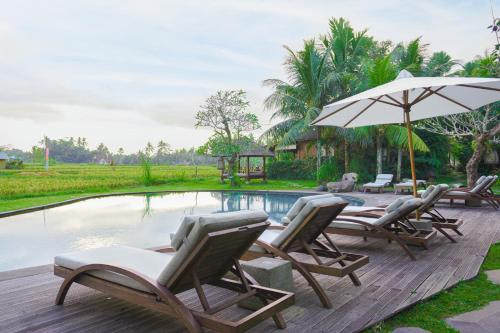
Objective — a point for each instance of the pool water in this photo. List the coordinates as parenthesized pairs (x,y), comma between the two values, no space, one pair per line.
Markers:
(34,238)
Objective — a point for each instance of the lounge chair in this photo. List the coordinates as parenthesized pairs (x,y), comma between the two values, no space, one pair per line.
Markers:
(407,185)
(298,243)
(210,248)
(345,185)
(427,212)
(392,225)
(382,180)
(481,191)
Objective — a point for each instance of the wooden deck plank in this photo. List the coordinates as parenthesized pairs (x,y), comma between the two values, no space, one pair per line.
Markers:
(391,282)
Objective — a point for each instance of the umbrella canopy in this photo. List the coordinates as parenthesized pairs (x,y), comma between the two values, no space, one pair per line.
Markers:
(420,97)
(427,96)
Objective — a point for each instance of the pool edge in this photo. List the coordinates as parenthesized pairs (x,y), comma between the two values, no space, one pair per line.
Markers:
(104,195)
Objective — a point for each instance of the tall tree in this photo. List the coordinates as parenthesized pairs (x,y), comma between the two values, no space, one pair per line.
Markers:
(481,126)
(226,114)
(162,150)
(297,102)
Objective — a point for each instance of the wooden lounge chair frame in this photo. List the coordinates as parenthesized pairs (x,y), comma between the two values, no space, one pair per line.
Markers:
(305,241)
(195,271)
(402,231)
(439,222)
(484,194)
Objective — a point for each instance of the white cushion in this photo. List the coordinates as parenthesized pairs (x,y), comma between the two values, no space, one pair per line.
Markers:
(299,204)
(427,191)
(458,193)
(267,236)
(374,184)
(206,224)
(347,225)
(324,201)
(409,182)
(359,209)
(183,231)
(352,225)
(384,177)
(149,263)
(396,204)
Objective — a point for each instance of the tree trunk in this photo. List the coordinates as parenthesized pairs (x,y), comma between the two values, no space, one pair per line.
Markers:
(473,163)
(232,169)
(318,158)
(346,156)
(400,162)
(379,154)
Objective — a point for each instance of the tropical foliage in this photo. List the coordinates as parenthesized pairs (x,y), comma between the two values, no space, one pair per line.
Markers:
(344,62)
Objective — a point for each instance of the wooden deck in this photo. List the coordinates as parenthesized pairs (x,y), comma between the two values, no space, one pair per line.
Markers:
(390,283)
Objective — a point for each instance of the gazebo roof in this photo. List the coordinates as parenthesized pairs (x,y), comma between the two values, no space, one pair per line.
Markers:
(257,152)
(253,152)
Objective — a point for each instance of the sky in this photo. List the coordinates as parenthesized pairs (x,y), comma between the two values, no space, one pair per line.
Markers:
(128,72)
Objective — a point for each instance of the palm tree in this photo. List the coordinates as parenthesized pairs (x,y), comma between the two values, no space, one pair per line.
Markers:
(384,70)
(297,102)
(346,50)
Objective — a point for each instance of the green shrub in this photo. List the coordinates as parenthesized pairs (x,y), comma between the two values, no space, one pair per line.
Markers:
(294,169)
(329,170)
(360,167)
(146,166)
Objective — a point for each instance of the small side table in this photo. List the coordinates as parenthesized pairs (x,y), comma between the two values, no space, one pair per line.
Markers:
(268,272)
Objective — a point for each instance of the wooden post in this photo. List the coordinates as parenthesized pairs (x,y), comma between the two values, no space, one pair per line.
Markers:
(410,143)
(248,168)
(264,167)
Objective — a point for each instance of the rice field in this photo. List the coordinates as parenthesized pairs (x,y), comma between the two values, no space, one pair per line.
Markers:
(33,180)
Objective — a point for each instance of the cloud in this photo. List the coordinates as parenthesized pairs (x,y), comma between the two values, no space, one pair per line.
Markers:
(103,69)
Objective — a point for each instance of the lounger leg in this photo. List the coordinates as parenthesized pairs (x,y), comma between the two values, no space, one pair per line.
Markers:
(63,291)
(458,232)
(278,319)
(445,234)
(323,297)
(183,313)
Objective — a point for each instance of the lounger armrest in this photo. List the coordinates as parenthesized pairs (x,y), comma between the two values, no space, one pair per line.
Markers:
(460,189)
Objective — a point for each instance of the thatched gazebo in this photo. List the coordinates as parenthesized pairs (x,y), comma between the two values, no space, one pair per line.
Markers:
(245,171)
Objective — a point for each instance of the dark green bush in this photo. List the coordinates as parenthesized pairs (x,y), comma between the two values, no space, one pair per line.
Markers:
(292,169)
(14,164)
(361,167)
(330,170)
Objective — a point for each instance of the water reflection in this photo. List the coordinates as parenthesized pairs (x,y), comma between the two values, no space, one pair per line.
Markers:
(139,220)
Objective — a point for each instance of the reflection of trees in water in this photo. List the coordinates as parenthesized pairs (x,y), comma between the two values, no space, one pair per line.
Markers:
(146,211)
(275,205)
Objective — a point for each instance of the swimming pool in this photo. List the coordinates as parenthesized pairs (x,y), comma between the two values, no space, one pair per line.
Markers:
(34,238)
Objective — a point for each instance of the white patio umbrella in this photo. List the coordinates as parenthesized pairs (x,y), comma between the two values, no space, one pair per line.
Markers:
(420,97)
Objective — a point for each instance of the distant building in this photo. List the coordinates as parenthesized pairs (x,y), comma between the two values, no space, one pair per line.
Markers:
(3,159)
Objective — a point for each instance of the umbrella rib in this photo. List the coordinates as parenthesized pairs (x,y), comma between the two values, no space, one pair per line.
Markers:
(453,101)
(394,100)
(429,91)
(478,87)
(334,112)
(381,101)
(366,108)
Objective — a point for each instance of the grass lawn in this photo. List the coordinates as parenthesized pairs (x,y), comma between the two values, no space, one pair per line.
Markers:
(33,186)
(464,297)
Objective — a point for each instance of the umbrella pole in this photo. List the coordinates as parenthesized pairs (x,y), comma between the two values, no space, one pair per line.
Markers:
(410,148)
